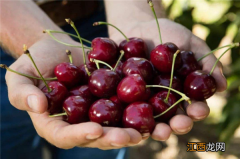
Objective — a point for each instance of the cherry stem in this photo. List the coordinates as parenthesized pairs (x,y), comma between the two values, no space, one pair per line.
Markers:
(56,115)
(172,71)
(54,38)
(102,62)
(62,32)
(154,13)
(215,64)
(119,59)
(26,51)
(69,21)
(25,75)
(69,56)
(176,103)
(211,52)
(105,23)
(164,87)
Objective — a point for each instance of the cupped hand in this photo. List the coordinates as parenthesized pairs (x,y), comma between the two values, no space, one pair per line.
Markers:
(26,94)
(172,32)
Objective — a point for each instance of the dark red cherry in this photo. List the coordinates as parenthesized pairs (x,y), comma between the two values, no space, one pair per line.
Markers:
(141,66)
(103,83)
(76,108)
(139,116)
(119,68)
(164,80)
(91,67)
(162,57)
(159,105)
(147,94)
(104,49)
(84,92)
(136,47)
(68,74)
(56,97)
(117,101)
(105,112)
(131,89)
(189,64)
(199,85)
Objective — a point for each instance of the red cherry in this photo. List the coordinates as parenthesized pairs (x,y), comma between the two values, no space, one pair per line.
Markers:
(162,57)
(199,85)
(189,64)
(139,66)
(56,97)
(159,105)
(117,101)
(68,74)
(131,89)
(103,49)
(103,83)
(91,67)
(84,92)
(164,80)
(119,68)
(105,112)
(147,95)
(135,47)
(76,108)
(139,116)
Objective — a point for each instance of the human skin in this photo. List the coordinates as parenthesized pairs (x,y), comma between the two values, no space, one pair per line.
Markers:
(26,27)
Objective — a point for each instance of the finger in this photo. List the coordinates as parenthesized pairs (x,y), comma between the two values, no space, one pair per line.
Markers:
(135,136)
(200,48)
(63,135)
(181,124)
(161,132)
(198,110)
(24,95)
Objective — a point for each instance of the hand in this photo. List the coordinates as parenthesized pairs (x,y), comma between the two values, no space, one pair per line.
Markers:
(185,40)
(47,54)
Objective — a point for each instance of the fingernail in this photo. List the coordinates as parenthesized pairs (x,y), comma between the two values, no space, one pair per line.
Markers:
(201,117)
(92,137)
(145,135)
(116,145)
(184,130)
(33,103)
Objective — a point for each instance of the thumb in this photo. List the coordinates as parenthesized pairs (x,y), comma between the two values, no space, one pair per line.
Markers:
(24,95)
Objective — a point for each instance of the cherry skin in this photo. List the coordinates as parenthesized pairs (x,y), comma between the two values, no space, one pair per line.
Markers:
(131,89)
(84,92)
(91,67)
(105,112)
(117,101)
(103,83)
(68,74)
(135,47)
(199,85)
(147,94)
(159,105)
(164,80)
(104,49)
(139,116)
(162,57)
(141,66)
(119,68)
(189,64)
(76,108)
(56,97)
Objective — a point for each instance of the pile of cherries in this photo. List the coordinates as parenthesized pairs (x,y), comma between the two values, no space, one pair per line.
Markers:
(121,87)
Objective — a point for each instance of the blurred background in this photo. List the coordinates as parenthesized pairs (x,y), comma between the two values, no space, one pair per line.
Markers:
(218,23)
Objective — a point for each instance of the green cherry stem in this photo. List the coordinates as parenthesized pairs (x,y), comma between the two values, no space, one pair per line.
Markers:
(69,56)
(105,23)
(54,38)
(211,52)
(62,32)
(55,115)
(176,103)
(25,75)
(154,13)
(172,71)
(69,21)
(119,59)
(181,94)
(99,61)
(26,51)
